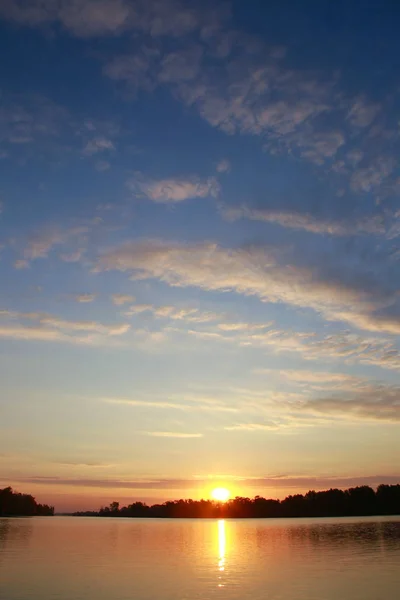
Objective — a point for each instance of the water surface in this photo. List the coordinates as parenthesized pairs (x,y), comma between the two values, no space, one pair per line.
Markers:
(71,558)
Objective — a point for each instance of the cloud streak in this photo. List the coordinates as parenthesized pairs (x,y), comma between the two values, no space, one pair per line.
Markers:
(313,379)
(308,222)
(96,145)
(284,481)
(372,402)
(343,346)
(165,191)
(85,298)
(172,434)
(174,313)
(121,299)
(92,18)
(255,271)
(40,244)
(167,404)
(52,328)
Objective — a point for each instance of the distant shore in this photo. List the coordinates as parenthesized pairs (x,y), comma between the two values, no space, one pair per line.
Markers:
(353,502)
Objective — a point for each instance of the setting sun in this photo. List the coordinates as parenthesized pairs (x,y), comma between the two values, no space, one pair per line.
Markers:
(220,494)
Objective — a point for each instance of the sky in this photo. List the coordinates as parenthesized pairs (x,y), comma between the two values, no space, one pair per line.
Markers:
(199,247)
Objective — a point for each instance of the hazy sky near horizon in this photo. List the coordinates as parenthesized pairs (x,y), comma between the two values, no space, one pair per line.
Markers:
(199,247)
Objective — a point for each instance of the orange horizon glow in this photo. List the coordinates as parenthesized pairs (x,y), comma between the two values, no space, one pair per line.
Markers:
(70,498)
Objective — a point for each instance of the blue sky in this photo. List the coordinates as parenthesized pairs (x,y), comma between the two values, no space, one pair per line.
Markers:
(199,247)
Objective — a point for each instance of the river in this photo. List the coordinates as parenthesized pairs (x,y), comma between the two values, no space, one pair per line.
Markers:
(79,558)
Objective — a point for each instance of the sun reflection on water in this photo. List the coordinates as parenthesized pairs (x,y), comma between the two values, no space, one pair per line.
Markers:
(221,551)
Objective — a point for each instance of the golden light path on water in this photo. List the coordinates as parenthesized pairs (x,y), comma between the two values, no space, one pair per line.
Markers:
(221,550)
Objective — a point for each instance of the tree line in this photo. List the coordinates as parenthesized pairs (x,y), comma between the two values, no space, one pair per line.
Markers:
(356,501)
(14,504)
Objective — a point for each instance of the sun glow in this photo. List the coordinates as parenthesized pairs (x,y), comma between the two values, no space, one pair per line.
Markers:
(220,494)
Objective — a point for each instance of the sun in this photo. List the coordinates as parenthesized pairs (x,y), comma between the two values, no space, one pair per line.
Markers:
(221,494)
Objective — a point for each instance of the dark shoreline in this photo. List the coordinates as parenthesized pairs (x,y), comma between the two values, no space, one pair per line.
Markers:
(360,501)
(14,504)
(82,515)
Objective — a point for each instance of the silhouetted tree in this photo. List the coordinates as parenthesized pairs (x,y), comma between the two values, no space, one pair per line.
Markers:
(361,500)
(13,504)
(388,499)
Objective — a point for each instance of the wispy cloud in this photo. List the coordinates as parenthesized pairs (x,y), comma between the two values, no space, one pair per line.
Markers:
(94,326)
(73,257)
(41,243)
(21,264)
(300,482)
(166,191)
(121,299)
(319,147)
(366,401)
(83,18)
(83,463)
(182,65)
(362,113)
(38,334)
(371,177)
(256,271)
(172,434)
(224,166)
(232,327)
(96,145)
(167,404)
(372,402)
(342,346)
(30,118)
(85,298)
(51,328)
(254,427)
(102,165)
(253,89)
(191,315)
(304,376)
(86,18)
(373,225)
(137,309)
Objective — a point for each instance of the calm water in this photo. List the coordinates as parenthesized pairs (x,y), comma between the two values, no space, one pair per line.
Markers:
(66,558)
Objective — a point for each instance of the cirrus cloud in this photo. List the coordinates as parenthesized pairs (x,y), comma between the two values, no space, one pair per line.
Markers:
(121,299)
(371,225)
(165,191)
(52,328)
(172,434)
(256,271)
(85,298)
